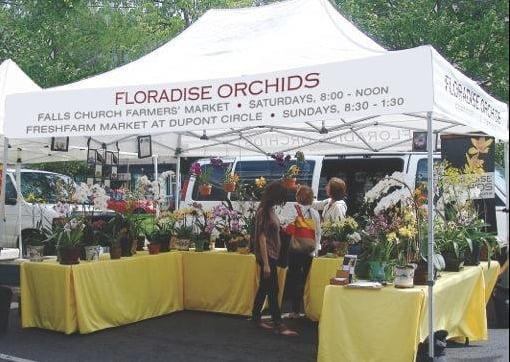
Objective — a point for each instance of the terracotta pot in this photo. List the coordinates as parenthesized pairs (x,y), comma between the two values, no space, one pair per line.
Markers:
(289,183)
(229,187)
(154,248)
(115,252)
(70,256)
(205,190)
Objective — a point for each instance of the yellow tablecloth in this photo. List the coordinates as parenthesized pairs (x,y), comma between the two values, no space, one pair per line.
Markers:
(47,297)
(388,324)
(117,292)
(321,271)
(491,274)
(96,295)
(221,282)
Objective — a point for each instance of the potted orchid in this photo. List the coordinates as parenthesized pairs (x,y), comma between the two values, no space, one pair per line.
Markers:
(182,233)
(290,171)
(338,235)
(228,224)
(203,226)
(203,177)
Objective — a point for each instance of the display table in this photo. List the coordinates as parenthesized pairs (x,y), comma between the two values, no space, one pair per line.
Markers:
(92,296)
(321,271)
(222,282)
(388,324)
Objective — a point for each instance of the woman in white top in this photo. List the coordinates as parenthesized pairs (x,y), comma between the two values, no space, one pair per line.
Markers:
(334,208)
(300,263)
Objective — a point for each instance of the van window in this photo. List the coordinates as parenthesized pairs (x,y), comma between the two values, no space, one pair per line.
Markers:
(360,175)
(42,185)
(217,194)
(10,191)
(249,171)
(422,176)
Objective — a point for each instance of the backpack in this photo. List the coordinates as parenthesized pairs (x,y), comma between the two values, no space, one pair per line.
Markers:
(302,233)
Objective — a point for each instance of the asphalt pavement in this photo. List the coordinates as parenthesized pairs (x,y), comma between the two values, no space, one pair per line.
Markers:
(196,336)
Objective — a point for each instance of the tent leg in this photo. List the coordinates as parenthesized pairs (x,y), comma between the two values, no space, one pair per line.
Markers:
(3,221)
(507,202)
(18,206)
(177,182)
(430,188)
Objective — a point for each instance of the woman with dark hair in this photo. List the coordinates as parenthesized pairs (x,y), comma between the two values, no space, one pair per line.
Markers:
(334,208)
(267,249)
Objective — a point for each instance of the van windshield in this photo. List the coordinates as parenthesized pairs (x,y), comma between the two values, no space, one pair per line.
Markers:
(41,186)
(360,175)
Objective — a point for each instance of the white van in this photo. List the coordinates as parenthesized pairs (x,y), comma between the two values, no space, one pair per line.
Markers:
(360,171)
(39,183)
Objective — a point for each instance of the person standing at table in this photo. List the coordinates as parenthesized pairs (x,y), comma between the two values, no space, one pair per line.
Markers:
(334,208)
(267,249)
(299,261)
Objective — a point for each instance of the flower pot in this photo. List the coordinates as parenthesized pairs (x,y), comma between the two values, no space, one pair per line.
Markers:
(181,244)
(474,257)
(92,253)
(232,245)
(484,253)
(229,187)
(164,244)
(377,270)
(205,190)
(154,248)
(362,270)
(404,276)
(289,183)
(199,245)
(115,252)
(421,273)
(453,263)
(126,246)
(69,256)
(35,252)
(340,248)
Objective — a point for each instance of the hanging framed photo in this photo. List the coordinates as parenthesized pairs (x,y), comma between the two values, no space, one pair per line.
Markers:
(114,174)
(90,181)
(419,141)
(91,156)
(101,155)
(60,144)
(144,146)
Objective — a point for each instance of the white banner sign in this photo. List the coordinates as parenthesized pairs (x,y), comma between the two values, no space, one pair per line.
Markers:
(394,83)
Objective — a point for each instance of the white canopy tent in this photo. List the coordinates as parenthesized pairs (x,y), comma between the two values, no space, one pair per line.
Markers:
(295,72)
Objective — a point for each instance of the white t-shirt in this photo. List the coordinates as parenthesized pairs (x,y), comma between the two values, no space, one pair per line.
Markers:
(307,212)
(331,210)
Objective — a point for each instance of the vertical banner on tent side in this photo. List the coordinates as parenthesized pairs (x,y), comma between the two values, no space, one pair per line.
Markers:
(393,83)
(460,99)
(470,152)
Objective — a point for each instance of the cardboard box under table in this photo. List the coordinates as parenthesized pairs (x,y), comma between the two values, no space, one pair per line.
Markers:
(91,296)
(388,324)
(222,282)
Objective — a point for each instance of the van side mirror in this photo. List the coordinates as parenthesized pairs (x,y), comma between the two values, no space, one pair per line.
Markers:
(11,201)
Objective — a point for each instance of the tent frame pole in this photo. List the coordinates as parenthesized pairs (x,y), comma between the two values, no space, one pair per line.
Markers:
(18,205)
(430,264)
(3,218)
(507,201)
(178,173)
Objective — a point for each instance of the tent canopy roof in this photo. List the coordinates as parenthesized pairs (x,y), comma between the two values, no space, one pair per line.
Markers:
(287,36)
(238,42)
